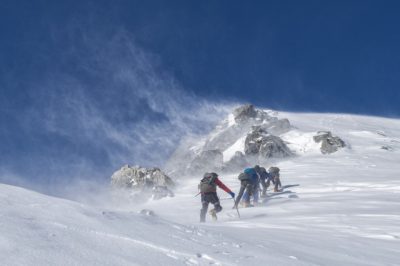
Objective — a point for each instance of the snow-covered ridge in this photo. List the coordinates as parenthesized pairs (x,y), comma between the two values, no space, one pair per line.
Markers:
(246,137)
(338,209)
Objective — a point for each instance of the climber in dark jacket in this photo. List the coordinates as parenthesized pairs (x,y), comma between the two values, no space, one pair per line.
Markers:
(275,178)
(265,179)
(208,190)
(248,179)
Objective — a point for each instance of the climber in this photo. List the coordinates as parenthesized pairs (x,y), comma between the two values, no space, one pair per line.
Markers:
(275,178)
(264,176)
(248,179)
(256,184)
(208,190)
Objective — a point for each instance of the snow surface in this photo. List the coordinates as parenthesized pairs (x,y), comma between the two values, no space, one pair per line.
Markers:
(237,146)
(342,209)
(301,142)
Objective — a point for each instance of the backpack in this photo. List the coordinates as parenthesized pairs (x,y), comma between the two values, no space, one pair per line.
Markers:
(249,174)
(263,173)
(273,170)
(244,176)
(207,183)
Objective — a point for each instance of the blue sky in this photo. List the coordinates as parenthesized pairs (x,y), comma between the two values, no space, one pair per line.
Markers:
(88,85)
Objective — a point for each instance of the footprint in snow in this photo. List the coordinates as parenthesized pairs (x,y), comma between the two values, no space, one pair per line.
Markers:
(147,212)
(208,258)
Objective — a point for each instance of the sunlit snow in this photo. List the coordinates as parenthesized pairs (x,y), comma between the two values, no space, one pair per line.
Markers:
(338,209)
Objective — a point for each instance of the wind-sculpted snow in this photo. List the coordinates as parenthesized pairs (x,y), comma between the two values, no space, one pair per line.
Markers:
(337,209)
(210,159)
(237,162)
(41,230)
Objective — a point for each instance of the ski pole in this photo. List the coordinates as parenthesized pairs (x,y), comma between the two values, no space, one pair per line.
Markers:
(197,194)
(236,207)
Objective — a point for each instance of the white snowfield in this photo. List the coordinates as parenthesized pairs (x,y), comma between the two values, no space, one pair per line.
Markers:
(342,209)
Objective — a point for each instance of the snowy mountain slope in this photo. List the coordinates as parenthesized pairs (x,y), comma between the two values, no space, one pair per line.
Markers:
(249,136)
(343,209)
(42,230)
(227,138)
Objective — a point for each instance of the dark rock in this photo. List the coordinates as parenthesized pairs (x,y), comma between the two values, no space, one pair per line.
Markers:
(141,180)
(227,133)
(379,132)
(264,145)
(201,154)
(386,147)
(329,143)
(243,113)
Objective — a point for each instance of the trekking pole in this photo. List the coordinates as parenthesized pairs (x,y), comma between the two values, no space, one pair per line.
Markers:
(236,207)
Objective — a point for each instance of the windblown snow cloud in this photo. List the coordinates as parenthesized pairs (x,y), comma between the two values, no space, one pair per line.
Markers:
(105,102)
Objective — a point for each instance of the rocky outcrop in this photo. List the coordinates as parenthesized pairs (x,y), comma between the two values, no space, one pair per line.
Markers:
(151,182)
(244,113)
(210,160)
(203,154)
(264,145)
(245,118)
(329,143)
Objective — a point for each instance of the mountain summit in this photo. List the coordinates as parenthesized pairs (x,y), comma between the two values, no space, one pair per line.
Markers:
(246,137)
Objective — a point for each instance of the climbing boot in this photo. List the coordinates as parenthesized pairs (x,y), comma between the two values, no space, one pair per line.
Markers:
(264,193)
(247,205)
(213,214)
